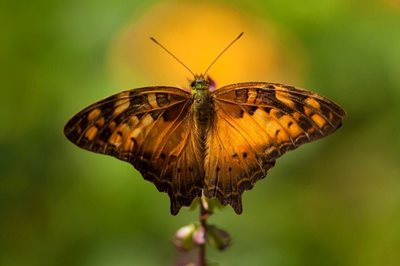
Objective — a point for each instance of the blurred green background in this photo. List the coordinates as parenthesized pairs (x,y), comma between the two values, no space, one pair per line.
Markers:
(332,202)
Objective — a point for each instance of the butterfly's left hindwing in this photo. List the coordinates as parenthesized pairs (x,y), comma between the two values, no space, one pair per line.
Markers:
(255,123)
(151,129)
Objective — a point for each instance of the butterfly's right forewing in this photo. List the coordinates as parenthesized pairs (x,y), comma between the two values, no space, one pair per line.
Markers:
(255,123)
(151,129)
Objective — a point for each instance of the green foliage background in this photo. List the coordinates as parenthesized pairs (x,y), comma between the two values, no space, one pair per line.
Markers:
(334,202)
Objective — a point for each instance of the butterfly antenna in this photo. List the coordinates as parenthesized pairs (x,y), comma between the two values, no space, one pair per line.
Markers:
(176,58)
(223,51)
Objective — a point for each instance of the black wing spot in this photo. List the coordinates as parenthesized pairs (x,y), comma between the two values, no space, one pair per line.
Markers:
(136,99)
(155,114)
(172,113)
(162,99)
(251,109)
(277,132)
(241,95)
(267,109)
(279,114)
(134,141)
(304,123)
(105,134)
(271,87)
(244,154)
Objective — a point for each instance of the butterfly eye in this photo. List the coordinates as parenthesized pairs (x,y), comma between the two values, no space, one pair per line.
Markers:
(193,84)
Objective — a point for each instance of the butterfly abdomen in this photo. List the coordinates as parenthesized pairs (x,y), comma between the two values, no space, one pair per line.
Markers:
(204,115)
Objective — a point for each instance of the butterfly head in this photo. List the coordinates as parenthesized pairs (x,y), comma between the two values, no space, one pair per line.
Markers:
(200,83)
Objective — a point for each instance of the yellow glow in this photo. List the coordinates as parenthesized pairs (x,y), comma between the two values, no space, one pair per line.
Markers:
(196,33)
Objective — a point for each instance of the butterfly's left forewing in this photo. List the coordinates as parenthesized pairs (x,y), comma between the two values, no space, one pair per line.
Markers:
(255,123)
(151,129)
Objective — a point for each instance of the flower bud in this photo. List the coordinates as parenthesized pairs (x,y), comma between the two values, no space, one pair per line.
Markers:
(199,236)
(183,237)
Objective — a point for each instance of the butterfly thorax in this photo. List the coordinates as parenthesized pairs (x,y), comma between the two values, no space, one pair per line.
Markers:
(203,103)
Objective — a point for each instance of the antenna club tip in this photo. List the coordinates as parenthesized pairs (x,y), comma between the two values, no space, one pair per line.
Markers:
(153,39)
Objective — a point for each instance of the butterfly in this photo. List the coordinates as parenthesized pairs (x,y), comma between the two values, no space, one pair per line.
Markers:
(218,143)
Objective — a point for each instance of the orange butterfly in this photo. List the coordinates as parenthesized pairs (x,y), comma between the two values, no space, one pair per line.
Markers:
(214,142)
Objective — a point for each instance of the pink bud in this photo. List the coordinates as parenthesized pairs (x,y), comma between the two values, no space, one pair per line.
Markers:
(184,231)
(183,238)
(199,236)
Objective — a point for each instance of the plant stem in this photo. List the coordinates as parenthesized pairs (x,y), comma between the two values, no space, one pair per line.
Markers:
(203,222)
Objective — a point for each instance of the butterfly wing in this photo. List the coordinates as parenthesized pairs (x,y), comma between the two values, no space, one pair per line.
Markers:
(151,129)
(255,124)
